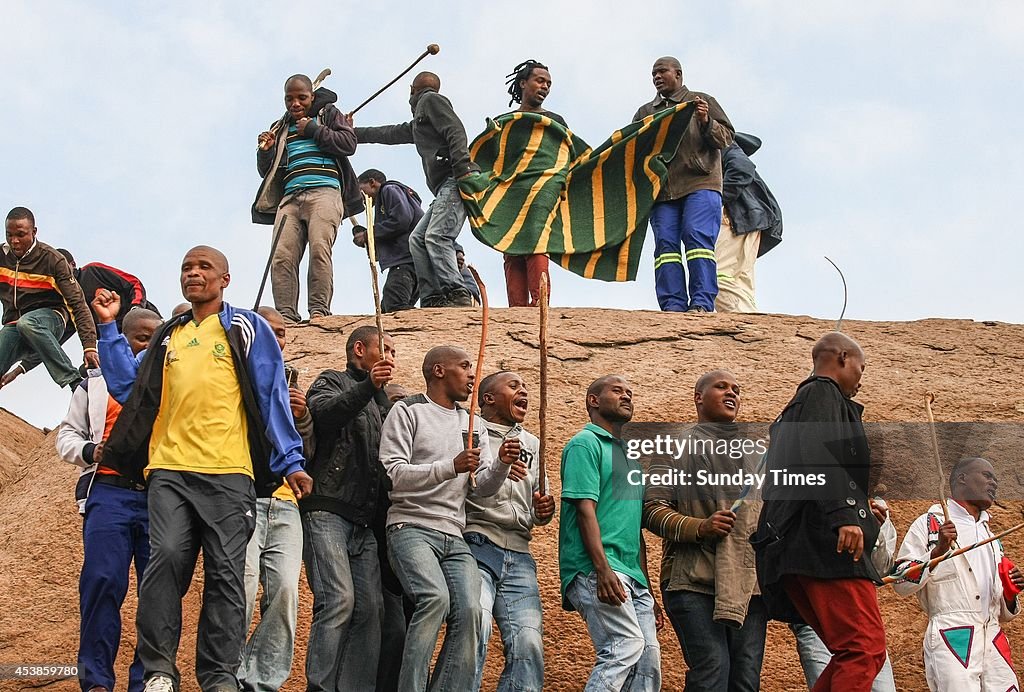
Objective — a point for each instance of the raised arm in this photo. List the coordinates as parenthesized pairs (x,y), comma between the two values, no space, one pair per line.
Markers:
(266,369)
(385,134)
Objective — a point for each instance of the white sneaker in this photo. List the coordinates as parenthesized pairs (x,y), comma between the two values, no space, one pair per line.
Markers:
(159,683)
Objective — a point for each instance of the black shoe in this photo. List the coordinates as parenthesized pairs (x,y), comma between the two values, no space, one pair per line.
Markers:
(460,298)
(433,302)
(698,309)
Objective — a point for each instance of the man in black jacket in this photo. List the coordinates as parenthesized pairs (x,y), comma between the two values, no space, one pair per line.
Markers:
(441,142)
(349,489)
(303,159)
(397,209)
(816,531)
(751,225)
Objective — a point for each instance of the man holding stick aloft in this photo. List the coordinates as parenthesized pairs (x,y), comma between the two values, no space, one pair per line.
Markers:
(966,597)
(499,529)
(338,518)
(424,449)
(441,142)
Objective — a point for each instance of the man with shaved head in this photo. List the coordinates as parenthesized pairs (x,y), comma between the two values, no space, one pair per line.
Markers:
(115,532)
(429,461)
(817,531)
(602,557)
(708,582)
(207,425)
(966,598)
(441,142)
(688,212)
(499,529)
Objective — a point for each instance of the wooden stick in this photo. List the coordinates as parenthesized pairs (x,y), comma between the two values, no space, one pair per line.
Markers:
(273,249)
(371,252)
(542,409)
(479,360)
(928,400)
(432,49)
(914,570)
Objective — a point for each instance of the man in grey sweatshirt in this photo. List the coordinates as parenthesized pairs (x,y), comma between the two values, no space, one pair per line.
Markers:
(441,142)
(499,529)
(423,448)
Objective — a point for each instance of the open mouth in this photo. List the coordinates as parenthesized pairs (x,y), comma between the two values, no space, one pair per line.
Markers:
(521,404)
(729,404)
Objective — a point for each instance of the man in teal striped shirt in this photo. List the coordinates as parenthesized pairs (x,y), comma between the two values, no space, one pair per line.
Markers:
(312,156)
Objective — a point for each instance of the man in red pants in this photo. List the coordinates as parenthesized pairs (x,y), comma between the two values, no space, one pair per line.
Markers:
(816,530)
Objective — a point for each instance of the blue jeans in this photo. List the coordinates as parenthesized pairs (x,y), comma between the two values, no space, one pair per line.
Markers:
(39,332)
(718,657)
(432,243)
(273,558)
(814,657)
(440,576)
(115,532)
(344,576)
(692,222)
(625,637)
(513,598)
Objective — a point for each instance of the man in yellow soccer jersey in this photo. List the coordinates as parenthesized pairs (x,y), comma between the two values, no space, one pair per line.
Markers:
(207,425)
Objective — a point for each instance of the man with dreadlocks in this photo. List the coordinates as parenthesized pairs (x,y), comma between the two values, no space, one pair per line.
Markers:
(528,85)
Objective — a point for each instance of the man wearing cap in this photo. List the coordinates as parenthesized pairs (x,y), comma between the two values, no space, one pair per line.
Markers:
(688,211)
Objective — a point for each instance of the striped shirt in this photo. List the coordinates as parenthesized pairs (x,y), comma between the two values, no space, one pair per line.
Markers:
(307,165)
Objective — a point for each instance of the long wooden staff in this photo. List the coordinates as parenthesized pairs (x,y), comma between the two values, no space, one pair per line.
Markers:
(479,360)
(371,252)
(542,410)
(432,49)
(273,248)
(912,570)
(928,399)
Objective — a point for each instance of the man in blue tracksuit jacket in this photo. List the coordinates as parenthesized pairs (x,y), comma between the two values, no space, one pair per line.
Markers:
(207,425)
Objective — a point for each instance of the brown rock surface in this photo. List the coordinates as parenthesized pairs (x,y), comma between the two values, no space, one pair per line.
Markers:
(972,367)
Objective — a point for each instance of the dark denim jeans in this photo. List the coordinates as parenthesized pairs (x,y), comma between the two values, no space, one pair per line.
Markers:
(718,657)
(344,576)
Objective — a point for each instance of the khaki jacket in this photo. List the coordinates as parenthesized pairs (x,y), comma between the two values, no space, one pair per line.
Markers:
(723,568)
(697,164)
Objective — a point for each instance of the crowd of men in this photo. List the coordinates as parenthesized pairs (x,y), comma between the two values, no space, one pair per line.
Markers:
(193,436)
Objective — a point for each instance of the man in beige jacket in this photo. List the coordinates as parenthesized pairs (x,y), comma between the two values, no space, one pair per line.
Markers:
(708,581)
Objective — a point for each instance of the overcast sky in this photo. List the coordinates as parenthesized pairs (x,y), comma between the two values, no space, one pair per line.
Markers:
(892,133)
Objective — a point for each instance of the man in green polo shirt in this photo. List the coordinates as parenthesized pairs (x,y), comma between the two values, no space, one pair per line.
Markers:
(602,558)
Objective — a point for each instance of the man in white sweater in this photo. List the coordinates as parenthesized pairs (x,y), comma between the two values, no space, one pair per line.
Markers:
(499,529)
(425,451)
